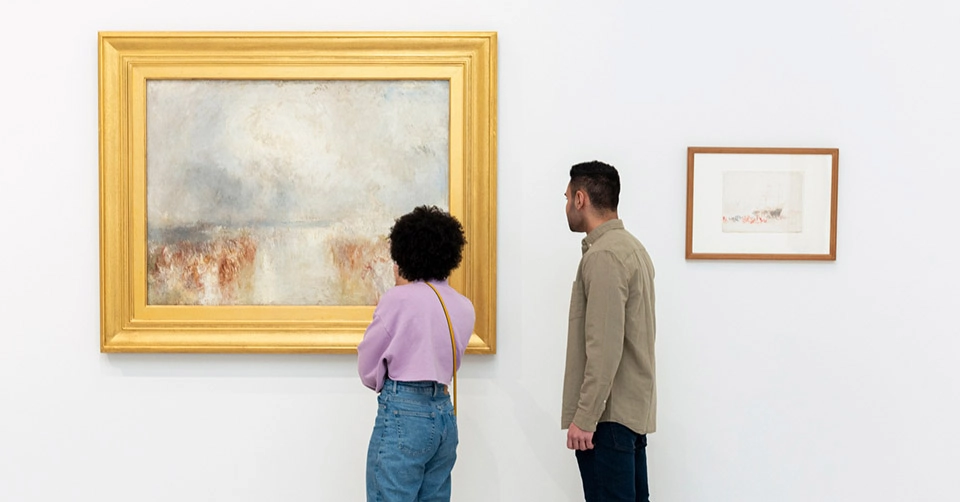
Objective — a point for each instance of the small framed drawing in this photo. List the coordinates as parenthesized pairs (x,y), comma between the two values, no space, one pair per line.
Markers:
(762,203)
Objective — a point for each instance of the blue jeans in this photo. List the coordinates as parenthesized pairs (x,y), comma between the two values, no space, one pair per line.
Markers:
(414,444)
(616,468)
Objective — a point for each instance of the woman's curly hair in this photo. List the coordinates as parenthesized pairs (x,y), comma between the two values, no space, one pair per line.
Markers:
(427,244)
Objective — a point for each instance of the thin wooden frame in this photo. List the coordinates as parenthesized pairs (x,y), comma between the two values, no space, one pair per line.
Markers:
(127,60)
(722,180)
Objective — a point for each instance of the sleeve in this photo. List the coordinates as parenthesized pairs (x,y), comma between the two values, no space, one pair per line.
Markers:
(606,288)
(464,329)
(372,356)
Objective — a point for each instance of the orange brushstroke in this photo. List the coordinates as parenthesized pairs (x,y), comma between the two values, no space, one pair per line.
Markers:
(356,260)
(180,273)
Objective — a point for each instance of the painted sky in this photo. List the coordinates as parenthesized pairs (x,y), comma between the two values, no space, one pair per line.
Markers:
(248,153)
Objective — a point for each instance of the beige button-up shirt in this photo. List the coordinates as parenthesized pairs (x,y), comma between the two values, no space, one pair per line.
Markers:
(611,371)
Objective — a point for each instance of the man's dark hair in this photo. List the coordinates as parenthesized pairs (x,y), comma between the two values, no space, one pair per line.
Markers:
(600,181)
(427,244)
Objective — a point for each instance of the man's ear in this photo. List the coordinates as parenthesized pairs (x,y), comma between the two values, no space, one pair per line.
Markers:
(580,199)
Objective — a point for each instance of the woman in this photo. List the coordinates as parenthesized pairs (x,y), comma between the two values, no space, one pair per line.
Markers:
(406,356)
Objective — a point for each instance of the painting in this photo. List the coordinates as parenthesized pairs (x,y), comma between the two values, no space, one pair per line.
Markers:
(761,203)
(243,176)
(249,181)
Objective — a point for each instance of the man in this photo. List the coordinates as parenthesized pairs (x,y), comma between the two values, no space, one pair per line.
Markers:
(609,386)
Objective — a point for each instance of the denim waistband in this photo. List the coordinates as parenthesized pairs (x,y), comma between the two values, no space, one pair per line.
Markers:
(425,387)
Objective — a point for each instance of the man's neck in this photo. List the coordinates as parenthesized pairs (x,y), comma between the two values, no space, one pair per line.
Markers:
(594,222)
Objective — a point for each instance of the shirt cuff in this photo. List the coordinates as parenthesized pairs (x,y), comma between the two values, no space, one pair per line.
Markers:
(585,421)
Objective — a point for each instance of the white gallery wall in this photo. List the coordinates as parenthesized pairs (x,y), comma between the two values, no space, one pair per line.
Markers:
(779,381)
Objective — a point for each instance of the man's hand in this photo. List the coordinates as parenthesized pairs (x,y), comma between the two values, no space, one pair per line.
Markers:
(579,439)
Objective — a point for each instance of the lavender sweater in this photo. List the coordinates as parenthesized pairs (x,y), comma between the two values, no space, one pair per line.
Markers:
(409,340)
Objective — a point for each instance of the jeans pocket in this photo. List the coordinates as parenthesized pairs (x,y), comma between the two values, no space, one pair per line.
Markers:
(616,437)
(416,431)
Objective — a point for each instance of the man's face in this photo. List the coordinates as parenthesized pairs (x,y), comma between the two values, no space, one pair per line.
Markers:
(574,217)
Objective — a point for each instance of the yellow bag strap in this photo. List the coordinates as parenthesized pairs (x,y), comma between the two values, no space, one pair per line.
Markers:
(453,343)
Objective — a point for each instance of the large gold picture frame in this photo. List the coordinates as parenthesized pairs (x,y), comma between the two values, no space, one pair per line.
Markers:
(129,60)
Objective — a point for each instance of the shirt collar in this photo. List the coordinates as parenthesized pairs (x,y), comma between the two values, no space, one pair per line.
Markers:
(597,233)
(443,282)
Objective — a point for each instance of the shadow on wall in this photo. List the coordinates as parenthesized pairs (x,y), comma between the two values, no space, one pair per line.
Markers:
(234,365)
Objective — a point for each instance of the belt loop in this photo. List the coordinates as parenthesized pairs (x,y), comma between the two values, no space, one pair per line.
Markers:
(394,382)
(435,384)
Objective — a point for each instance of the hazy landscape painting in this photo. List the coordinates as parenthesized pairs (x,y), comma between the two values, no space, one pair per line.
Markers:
(278,192)
(762,202)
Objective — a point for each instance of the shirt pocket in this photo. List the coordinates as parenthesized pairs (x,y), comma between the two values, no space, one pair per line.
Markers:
(578,301)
